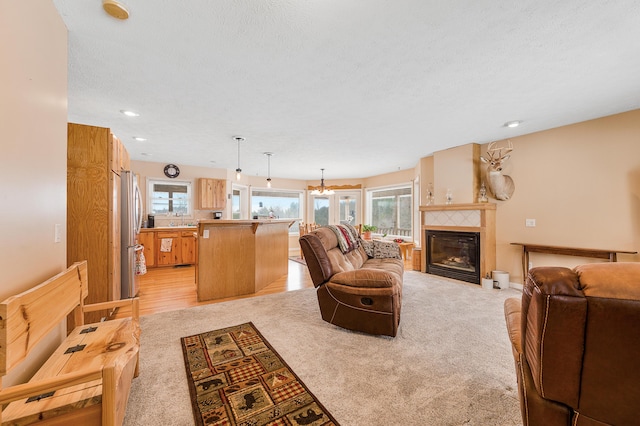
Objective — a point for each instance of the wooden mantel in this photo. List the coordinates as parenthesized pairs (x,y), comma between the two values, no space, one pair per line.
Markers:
(473,217)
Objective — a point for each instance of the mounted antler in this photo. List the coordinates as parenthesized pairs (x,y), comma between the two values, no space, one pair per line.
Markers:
(500,185)
(496,154)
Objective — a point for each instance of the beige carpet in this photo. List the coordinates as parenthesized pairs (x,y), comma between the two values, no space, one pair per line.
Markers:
(450,363)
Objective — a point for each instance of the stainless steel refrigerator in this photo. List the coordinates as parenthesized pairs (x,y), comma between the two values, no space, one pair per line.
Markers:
(131,208)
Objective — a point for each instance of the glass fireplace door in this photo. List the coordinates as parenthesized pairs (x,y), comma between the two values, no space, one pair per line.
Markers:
(454,255)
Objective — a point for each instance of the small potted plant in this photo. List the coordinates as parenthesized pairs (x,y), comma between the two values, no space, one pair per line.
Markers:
(367,230)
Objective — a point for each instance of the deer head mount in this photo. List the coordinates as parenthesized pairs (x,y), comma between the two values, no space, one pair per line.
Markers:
(501,186)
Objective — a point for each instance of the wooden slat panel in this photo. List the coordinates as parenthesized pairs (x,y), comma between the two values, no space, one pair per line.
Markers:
(29,316)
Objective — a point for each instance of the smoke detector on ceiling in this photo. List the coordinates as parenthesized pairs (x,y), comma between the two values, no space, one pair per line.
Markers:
(115,9)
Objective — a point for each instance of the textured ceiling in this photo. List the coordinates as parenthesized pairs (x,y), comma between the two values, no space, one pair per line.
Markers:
(358,87)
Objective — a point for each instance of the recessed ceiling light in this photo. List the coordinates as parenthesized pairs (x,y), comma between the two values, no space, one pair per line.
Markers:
(129,113)
(139,139)
(512,124)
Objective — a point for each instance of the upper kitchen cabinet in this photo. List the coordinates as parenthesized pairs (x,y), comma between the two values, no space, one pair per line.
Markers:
(95,159)
(212,194)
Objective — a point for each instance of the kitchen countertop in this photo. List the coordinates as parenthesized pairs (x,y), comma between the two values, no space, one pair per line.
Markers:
(244,222)
(165,228)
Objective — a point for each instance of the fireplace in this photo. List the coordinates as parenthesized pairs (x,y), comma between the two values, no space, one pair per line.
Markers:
(454,254)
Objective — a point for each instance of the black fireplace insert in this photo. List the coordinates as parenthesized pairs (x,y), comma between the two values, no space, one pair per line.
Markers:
(454,254)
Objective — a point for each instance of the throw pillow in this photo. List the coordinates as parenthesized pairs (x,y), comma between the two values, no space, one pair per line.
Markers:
(368,247)
(386,250)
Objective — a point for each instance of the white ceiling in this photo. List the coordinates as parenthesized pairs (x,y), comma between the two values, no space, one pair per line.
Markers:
(358,87)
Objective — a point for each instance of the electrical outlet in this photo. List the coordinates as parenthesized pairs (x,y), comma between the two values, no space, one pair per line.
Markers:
(530,223)
(205,233)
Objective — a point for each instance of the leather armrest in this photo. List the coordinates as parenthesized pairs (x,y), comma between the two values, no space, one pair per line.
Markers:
(365,277)
(512,315)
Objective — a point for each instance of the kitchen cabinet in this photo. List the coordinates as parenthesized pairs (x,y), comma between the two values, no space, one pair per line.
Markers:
(180,247)
(95,159)
(168,248)
(212,194)
(189,247)
(148,241)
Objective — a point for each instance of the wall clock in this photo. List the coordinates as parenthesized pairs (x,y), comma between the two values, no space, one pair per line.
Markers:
(171,171)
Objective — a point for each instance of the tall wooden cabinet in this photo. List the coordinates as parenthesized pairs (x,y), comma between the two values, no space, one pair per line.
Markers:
(94,161)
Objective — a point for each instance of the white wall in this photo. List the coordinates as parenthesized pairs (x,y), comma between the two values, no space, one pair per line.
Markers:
(33,107)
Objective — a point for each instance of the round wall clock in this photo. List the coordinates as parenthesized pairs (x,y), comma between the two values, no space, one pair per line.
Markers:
(171,171)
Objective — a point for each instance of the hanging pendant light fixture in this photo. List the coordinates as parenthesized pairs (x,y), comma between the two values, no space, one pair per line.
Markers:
(322,190)
(238,139)
(268,154)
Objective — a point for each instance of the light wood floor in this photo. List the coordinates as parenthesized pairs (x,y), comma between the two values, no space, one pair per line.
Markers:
(170,288)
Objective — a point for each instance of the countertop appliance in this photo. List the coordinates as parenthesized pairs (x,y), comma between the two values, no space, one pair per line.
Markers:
(131,208)
(217,215)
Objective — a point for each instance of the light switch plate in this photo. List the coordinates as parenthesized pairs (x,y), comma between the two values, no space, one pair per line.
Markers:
(57,237)
(205,233)
(530,223)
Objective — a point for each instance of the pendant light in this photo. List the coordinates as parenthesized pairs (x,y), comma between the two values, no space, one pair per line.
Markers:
(268,154)
(238,139)
(322,190)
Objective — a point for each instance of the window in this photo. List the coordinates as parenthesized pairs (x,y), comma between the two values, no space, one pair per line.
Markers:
(235,202)
(166,198)
(239,201)
(278,204)
(389,209)
(341,207)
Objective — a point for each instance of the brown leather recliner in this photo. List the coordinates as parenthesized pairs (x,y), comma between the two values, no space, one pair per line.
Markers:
(575,337)
(354,291)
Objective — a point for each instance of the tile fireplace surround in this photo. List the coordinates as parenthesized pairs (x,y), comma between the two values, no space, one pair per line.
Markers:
(476,217)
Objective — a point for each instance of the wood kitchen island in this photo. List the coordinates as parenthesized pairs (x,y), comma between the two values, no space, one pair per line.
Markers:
(238,257)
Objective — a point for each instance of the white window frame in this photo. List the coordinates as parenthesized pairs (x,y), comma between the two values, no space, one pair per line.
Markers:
(245,200)
(334,205)
(369,205)
(187,183)
(293,229)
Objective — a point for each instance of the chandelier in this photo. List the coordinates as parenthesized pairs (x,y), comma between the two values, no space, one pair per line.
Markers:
(322,190)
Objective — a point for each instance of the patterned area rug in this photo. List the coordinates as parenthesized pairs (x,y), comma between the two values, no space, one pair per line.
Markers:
(237,378)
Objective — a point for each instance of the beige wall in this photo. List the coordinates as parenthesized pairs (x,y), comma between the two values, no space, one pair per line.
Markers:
(581,183)
(150,170)
(456,169)
(147,169)
(426,170)
(33,107)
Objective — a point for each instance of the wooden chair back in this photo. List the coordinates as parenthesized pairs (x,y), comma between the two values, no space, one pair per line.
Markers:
(29,316)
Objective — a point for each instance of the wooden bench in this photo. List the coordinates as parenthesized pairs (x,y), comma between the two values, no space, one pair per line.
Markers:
(86,381)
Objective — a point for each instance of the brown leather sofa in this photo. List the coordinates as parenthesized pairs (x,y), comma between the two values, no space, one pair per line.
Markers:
(575,337)
(355,291)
